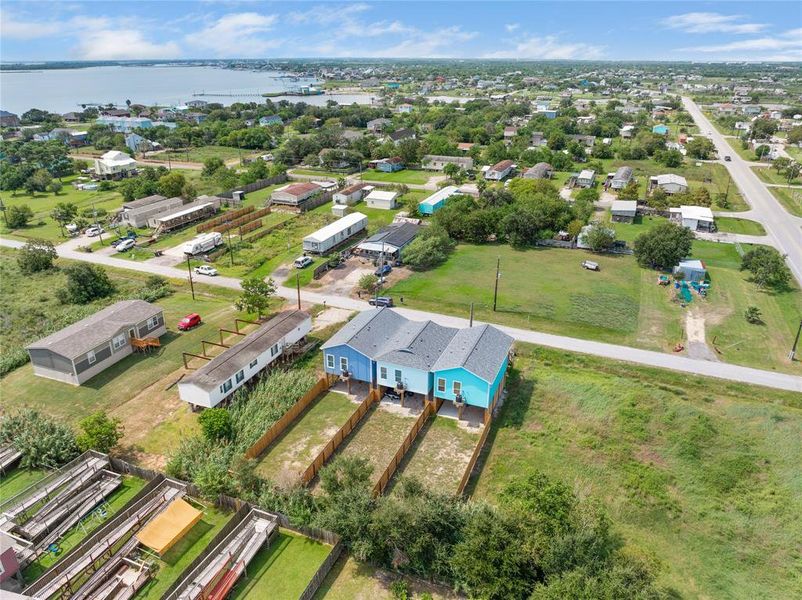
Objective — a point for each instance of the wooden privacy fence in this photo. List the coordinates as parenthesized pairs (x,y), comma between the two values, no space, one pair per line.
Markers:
(242,220)
(387,474)
(279,426)
(256,185)
(466,476)
(266,231)
(227,216)
(337,439)
(321,573)
(248,227)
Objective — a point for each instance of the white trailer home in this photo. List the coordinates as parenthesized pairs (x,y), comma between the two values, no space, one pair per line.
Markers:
(331,235)
(236,366)
(204,242)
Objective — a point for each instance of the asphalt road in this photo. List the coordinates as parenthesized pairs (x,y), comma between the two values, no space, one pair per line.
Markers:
(610,351)
(784,229)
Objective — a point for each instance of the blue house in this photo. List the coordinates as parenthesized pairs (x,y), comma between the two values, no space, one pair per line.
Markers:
(271,120)
(660,129)
(430,205)
(385,350)
(390,165)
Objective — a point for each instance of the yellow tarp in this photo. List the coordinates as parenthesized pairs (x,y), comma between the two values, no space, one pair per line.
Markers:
(169,526)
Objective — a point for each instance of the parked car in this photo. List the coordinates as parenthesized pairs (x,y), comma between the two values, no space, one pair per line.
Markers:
(190,321)
(302,262)
(383,270)
(590,265)
(94,231)
(206,270)
(125,245)
(385,301)
(727,158)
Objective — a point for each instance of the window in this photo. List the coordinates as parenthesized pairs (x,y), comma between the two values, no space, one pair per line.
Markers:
(343,363)
(457,388)
(153,322)
(90,356)
(441,385)
(226,386)
(118,341)
(240,376)
(383,372)
(274,350)
(254,362)
(397,376)
(330,361)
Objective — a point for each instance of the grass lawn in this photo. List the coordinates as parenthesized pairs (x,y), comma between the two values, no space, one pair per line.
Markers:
(713,176)
(198,155)
(700,477)
(17,480)
(305,437)
(177,558)
(440,454)
(770,175)
(318,173)
(546,289)
(114,503)
(794,152)
(402,176)
(745,153)
(351,580)
(283,570)
(734,225)
(790,198)
(377,437)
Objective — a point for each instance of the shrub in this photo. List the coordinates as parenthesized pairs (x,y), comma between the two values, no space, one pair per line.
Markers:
(44,443)
(99,433)
(752,315)
(767,267)
(18,216)
(215,424)
(85,283)
(35,256)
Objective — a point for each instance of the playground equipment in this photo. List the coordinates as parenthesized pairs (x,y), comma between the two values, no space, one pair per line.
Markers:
(662,280)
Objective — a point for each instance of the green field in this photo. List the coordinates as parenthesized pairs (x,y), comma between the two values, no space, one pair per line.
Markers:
(794,152)
(303,440)
(318,173)
(790,198)
(200,154)
(769,175)
(402,176)
(734,225)
(283,570)
(745,153)
(17,480)
(546,289)
(173,562)
(114,503)
(700,477)
(440,455)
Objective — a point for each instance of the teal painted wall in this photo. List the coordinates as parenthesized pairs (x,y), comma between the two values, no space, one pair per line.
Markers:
(499,377)
(474,390)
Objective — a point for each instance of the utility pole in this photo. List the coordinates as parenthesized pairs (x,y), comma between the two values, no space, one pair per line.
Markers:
(230,249)
(191,284)
(99,228)
(298,289)
(471,325)
(3,208)
(792,353)
(495,290)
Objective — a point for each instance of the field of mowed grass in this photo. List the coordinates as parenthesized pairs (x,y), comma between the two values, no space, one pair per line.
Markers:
(318,173)
(295,449)
(440,454)
(352,580)
(201,153)
(790,198)
(794,152)
(769,175)
(283,570)
(17,480)
(173,562)
(402,176)
(129,488)
(746,153)
(735,225)
(700,476)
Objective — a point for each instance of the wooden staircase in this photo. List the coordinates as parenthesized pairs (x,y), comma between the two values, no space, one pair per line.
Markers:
(145,344)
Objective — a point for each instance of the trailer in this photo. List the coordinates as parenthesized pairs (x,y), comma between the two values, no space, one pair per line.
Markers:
(336,233)
(203,243)
(189,213)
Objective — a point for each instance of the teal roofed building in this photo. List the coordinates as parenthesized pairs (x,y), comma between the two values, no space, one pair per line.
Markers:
(660,129)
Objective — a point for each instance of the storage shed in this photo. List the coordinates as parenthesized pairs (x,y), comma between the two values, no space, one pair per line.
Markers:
(624,211)
(326,238)
(692,270)
(383,199)
(436,201)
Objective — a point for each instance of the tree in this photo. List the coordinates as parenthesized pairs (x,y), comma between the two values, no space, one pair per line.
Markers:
(669,158)
(629,192)
(658,199)
(99,433)
(700,147)
(39,181)
(701,197)
(429,249)
(368,282)
(574,228)
(780,164)
(451,170)
(256,295)
(55,187)
(85,283)
(752,315)
(767,267)
(63,213)
(211,165)
(18,215)
(663,246)
(44,443)
(216,424)
(170,185)
(36,256)
(599,237)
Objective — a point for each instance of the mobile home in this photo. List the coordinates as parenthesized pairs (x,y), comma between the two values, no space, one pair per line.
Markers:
(332,235)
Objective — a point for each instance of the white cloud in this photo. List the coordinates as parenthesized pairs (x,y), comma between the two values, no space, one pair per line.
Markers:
(122,44)
(785,46)
(236,35)
(19,29)
(439,43)
(549,47)
(706,22)
(326,14)
(512,26)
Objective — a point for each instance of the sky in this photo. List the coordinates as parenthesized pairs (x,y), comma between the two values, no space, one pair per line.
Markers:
(626,30)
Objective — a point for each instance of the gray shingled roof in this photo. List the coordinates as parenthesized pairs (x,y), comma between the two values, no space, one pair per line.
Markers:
(372,332)
(223,366)
(423,350)
(481,350)
(146,201)
(81,337)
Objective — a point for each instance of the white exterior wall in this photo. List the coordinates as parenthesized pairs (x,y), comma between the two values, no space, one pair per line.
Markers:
(334,239)
(189,392)
(386,204)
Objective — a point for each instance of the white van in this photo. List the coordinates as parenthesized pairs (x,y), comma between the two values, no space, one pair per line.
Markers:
(302,262)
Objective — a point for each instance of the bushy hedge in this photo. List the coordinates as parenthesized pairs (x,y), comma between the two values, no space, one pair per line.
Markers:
(44,443)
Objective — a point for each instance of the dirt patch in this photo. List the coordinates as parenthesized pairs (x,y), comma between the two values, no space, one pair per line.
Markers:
(647,456)
(695,336)
(330,316)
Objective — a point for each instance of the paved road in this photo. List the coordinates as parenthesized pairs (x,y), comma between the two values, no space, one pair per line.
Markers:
(784,229)
(610,351)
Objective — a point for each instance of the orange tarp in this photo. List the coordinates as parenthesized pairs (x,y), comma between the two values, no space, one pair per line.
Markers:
(169,526)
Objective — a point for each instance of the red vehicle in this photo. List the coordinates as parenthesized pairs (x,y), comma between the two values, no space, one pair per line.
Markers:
(189,322)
